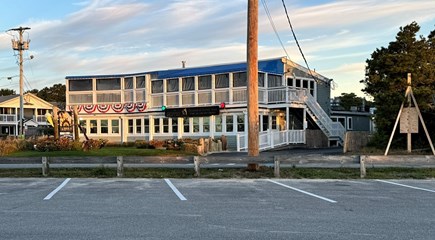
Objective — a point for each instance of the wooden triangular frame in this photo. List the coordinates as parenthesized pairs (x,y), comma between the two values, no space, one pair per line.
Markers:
(408,94)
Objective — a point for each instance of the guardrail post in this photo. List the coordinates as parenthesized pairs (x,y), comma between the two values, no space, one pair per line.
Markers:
(119,166)
(276,166)
(362,166)
(45,166)
(197,165)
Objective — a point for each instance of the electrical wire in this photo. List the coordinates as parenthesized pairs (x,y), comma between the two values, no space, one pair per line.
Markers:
(297,43)
(269,16)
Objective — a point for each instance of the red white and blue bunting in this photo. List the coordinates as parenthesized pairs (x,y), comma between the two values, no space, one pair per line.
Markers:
(105,108)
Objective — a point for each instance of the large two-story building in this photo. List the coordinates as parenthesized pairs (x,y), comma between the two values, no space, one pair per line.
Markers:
(208,101)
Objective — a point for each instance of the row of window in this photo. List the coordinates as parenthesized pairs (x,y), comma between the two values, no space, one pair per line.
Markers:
(205,82)
(172,84)
(222,123)
(106,84)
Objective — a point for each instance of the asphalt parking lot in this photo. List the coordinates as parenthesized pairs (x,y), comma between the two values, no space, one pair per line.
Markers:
(40,208)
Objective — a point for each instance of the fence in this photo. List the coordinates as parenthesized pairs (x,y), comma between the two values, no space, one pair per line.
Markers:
(301,161)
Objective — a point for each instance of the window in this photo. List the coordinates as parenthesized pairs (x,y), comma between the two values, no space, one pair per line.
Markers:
(298,83)
(239,79)
(172,85)
(109,84)
(261,79)
(186,125)
(146,125)
(305,84)
(93,126)
(195,124)
(140,82)
(204,82)
(157,86)
(165,125)
(218,123)
(130,125)
(157,125)
(274,126)
(230,123)
(139,126)
(80,85)
(265,122)
(128,83)
(82,123)
(188,83)
(222,81)
(206,124)
(174,125)
(104,128)
(349,123)
(115,126)
(240,123)
(274,80)
(290,82)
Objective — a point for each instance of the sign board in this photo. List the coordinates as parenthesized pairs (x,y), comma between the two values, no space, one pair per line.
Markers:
(192,111)
(409,120)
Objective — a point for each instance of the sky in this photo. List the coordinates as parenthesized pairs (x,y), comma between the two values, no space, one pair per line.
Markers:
(92,37)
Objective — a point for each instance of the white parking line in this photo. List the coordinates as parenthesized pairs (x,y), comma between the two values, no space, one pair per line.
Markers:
(49,196)
(302,191)
(180,196)
(403,185)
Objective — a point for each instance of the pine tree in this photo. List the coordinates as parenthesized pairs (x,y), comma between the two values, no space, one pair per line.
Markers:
(386,74)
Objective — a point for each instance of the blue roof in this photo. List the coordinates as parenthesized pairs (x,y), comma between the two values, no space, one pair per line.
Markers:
(275,66)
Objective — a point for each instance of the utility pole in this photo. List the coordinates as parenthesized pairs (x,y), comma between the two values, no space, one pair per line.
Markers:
(252,78)
(20,46)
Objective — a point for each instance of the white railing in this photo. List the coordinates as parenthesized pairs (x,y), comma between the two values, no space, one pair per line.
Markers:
(8,118)
(172,100)
(239,96)
(188,99)
(40,118)
(330,128)
(272,139)
(204,97)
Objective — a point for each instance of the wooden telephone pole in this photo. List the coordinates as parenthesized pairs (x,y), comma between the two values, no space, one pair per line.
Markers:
(20,46)
(252,78)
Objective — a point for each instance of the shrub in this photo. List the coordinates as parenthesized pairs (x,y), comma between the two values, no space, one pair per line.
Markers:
(141,144)
(157,143)
(8,146)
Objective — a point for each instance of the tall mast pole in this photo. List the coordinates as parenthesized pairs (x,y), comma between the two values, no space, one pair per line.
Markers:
(252,78)
(21,46)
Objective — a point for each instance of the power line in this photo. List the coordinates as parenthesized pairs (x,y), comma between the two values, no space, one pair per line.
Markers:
(266,9)
(297,42)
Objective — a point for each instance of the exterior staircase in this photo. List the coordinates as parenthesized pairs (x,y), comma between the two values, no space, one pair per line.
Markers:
(333,130)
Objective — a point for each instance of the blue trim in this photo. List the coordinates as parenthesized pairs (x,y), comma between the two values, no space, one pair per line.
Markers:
(274,66)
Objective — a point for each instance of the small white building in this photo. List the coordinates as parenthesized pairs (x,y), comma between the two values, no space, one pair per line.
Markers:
(35,109)
(206,101)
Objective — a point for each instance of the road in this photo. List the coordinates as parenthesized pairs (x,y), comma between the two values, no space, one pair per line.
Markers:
(49,208)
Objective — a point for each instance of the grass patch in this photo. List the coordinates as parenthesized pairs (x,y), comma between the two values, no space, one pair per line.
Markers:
(106,151)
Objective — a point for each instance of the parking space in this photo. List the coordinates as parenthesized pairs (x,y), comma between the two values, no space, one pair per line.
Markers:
(210,209)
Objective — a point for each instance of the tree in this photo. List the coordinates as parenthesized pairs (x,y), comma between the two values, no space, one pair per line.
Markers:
(7,92)
(33,91)
(348,100)
(55,93)
(386,74)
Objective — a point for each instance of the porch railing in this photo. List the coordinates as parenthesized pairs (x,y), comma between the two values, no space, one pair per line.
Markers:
(272,139)
(8,118)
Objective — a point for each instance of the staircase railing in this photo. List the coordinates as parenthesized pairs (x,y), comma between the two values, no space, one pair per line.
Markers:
(330,128)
